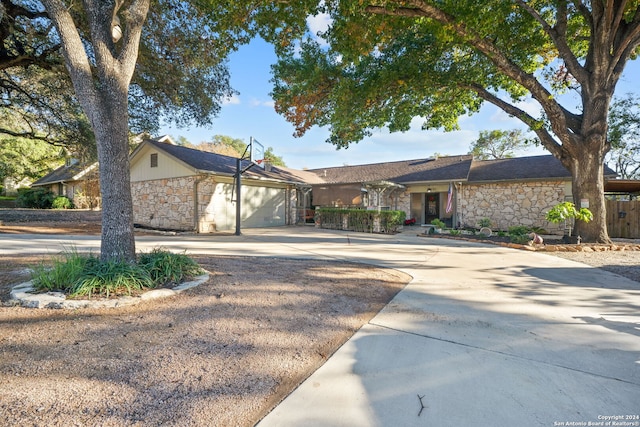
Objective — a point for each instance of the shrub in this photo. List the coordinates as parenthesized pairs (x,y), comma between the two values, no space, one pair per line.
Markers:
(521,239)
(165,267)
(438,223)
(65,271)
(111,278)
(62,202)
(519,230)
(455,232)
(35,198)
(85,275)
(484,222)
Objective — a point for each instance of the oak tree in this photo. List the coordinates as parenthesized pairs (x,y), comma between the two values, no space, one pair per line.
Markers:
(383,63)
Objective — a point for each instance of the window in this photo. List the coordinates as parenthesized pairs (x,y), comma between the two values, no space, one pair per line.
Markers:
(154,160)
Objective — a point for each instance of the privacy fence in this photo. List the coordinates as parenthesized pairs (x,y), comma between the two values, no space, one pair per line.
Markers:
(623,219)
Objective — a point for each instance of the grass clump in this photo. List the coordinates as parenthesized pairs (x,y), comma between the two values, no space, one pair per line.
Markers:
(78,274)
(165,267)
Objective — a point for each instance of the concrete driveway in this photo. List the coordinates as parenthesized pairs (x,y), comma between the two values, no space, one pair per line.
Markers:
(483,335)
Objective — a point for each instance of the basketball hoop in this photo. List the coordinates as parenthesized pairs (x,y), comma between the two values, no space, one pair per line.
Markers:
(256,152)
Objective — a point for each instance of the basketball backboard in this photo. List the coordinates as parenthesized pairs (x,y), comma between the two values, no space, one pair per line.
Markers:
(257,153)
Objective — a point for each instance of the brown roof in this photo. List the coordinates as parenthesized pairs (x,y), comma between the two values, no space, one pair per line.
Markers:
(402,172)
(521,168)
(225,165)
(622,186)
(63,174)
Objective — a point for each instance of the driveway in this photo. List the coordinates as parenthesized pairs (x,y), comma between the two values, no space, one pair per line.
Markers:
(483,335)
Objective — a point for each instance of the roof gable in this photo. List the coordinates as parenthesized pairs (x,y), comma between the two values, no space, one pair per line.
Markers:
(204,161)
(65,174)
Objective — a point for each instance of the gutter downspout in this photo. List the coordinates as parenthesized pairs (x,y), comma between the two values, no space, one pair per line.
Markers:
(196,213)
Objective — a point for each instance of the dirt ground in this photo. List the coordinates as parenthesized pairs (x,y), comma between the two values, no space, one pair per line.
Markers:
(222,354)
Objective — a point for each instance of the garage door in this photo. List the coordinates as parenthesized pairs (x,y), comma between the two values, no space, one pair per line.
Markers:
(261,207)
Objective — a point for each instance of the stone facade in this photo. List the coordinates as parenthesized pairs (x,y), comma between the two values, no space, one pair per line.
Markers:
(169,203)
(511,204)
(164,203)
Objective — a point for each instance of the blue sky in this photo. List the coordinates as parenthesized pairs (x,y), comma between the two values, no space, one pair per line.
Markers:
(251,114)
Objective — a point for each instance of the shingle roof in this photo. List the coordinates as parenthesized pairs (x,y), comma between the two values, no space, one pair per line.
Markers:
(217,163)
(402,172)
(521,168)
(63,174)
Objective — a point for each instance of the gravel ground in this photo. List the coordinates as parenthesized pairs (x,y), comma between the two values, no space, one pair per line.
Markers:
(221,354)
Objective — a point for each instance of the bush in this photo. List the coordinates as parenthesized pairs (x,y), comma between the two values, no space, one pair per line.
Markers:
(35,198)
(85,275)
(519,234)
(111,278)
(62,202)
(165,267)
(438,223)
(484,222)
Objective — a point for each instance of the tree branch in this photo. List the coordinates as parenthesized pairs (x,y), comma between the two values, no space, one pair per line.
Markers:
(493,54)
(545,137)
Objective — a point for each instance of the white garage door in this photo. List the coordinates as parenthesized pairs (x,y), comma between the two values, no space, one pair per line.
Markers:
(261,207)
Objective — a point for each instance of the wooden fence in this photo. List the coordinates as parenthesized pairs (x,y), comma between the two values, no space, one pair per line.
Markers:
(623,219)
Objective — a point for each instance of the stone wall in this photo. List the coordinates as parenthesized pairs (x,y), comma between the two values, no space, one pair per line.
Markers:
(169,204)
(164,203)
(510,204)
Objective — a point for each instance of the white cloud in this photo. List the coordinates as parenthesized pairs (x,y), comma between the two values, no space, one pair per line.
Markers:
(233,100)
(318,24)
(530,106)
(255,102)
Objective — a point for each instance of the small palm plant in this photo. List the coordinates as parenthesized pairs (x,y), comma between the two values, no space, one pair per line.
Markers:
(565,211)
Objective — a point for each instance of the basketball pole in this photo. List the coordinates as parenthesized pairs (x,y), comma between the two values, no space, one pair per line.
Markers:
(238,194)
(238,180)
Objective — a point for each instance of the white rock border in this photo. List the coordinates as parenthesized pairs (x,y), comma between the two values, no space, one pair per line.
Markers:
(23,296)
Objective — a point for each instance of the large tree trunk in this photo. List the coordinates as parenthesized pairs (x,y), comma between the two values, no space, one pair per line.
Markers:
(111,130)
(587,170)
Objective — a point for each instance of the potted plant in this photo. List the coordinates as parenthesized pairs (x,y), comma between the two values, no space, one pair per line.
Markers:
(565,211)
(438,224)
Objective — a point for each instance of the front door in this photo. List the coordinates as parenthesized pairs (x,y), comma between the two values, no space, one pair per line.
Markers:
(431,207)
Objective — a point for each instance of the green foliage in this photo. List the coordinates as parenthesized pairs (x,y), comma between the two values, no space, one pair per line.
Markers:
(624,136)
(85,275)
(567,210)
(65,271)
(166,267)
(520,239)
(35,198)
(519,230)
(438,223)
(23,158)
(113,277)
(455,232)
(498,144)
(484,222)
(361,220)
(62,202)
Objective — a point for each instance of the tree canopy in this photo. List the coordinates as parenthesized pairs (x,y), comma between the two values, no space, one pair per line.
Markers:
(181,74)
(233,147)
(167,54)
(498,144)
(624,136)
(383,63)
